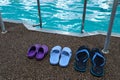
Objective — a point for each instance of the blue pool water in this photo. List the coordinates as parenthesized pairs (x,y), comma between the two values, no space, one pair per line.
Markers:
(63,15)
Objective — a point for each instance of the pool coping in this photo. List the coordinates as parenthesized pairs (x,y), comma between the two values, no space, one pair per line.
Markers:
(30,27)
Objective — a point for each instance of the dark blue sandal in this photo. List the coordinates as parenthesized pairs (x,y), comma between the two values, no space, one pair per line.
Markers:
(98,62)
(81,58)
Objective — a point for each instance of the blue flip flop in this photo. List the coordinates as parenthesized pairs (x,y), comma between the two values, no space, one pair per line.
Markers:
(66,54)
(55,55)
(81,58)
(98,62)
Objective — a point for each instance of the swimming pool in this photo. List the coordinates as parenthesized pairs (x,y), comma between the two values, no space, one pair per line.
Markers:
(63,15)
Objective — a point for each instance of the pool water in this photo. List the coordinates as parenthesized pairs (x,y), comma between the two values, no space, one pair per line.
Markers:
(63,15)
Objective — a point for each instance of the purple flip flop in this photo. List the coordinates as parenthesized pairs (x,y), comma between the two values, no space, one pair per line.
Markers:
(42,51)
(32,51)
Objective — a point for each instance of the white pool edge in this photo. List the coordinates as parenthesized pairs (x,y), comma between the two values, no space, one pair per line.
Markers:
(30,27)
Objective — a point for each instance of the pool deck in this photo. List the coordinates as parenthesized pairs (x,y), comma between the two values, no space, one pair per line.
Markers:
(14,65)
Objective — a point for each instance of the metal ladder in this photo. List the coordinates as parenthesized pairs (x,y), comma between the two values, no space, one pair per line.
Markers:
(107,41)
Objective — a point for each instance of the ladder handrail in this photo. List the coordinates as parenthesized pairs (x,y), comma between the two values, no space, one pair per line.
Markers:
(107,41)
(2,25)
(83,17)
(39,13)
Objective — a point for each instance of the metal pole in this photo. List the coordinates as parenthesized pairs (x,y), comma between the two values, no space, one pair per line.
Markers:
(2,25)
(107,41)
(83,17)
(39,13)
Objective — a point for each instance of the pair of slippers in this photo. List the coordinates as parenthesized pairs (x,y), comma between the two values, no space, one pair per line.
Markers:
(61,56)
(38,51)
(97,59)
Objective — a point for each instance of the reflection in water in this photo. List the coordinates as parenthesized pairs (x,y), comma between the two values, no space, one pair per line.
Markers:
(98,16)
(60,14)
(66,11)
(101,12)
(4,2)
(45,1)
(29,4)
(104,4)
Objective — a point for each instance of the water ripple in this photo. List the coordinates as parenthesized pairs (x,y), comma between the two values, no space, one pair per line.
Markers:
(65,15)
